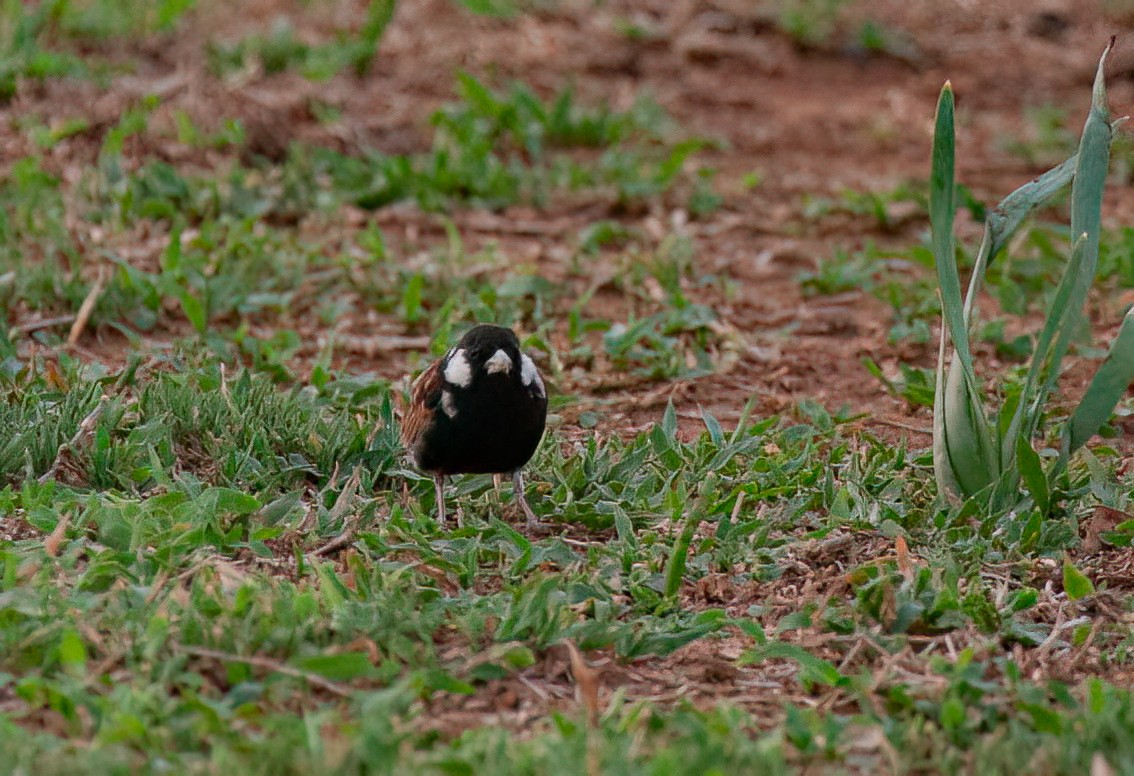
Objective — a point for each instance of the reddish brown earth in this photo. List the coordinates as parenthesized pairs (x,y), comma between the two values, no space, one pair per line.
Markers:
(812,121)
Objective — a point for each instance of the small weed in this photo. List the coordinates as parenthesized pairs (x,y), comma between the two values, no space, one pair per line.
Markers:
(280,49)
(810,22)
(23,53)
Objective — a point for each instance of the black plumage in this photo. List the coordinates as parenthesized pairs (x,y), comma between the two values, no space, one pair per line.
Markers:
(479,409)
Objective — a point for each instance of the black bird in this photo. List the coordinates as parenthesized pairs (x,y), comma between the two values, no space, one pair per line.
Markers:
(481,409)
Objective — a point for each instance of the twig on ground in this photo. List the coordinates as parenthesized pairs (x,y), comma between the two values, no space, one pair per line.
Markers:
(269,664)
(42,323)
(897,424)
(379,343)
(55,538)
(342,504)
(86,308)
(587,681)
(86,428)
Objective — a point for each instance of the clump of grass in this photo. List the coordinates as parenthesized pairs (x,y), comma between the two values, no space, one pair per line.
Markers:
(39,422)
(282,50)
(33,36)
(239,432)
(493,149)
(978,455)
(23,53)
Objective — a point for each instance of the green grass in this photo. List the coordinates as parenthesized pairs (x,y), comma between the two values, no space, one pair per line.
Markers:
(38,40)
(215,557)
(183,612)
(232,254)
(281,50)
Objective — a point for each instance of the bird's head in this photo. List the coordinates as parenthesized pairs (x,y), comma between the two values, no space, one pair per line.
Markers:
(485,349)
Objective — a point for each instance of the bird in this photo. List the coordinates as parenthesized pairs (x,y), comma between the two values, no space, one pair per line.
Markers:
(479,409)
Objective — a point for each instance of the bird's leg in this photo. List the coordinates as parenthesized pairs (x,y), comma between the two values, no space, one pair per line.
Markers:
(439,488)
(496,479)
(518,487)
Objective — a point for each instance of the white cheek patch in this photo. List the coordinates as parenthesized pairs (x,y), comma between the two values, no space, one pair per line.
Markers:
(500,362)
(448,404)
(529,374)
(457,370)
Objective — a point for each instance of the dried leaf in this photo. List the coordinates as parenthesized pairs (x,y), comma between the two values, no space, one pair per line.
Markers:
(87,308)
(904,564)
(587,682)
(52,542)
(1102,520)
(1100,766)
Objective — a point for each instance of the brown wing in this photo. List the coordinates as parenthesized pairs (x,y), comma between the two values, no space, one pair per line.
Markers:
(425,395)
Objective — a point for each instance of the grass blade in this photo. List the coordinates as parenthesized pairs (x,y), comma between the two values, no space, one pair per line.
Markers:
(1106,388)
(1031,470)
(675,567)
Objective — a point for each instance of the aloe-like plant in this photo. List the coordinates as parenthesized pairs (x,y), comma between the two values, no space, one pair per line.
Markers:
(982,454)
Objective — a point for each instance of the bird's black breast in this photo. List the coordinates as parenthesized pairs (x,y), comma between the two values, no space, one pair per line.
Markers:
(491,425)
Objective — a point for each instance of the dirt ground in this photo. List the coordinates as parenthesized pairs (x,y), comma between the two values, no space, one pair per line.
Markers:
(811,121)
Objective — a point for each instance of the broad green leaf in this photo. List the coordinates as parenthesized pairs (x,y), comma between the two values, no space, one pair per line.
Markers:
(1107,387)
(1044,719)
(340,668)
(669,421)
(437,680)
(1086,206)
(713,426)
(675,567)
(477,94)
(1086,216)
(1091,168)
(333,590)
(1041,366)
(1031,470)
(942,210)
(952,715)
(964,459)
(625,528)
(814,669)
(1075,582)
(1006,218)
(194,311)
(411,298)
(72,651)
(942,467)
(751,628)
(232,501)
(1024,598)
(972,444)
(170,259)
(519,657)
